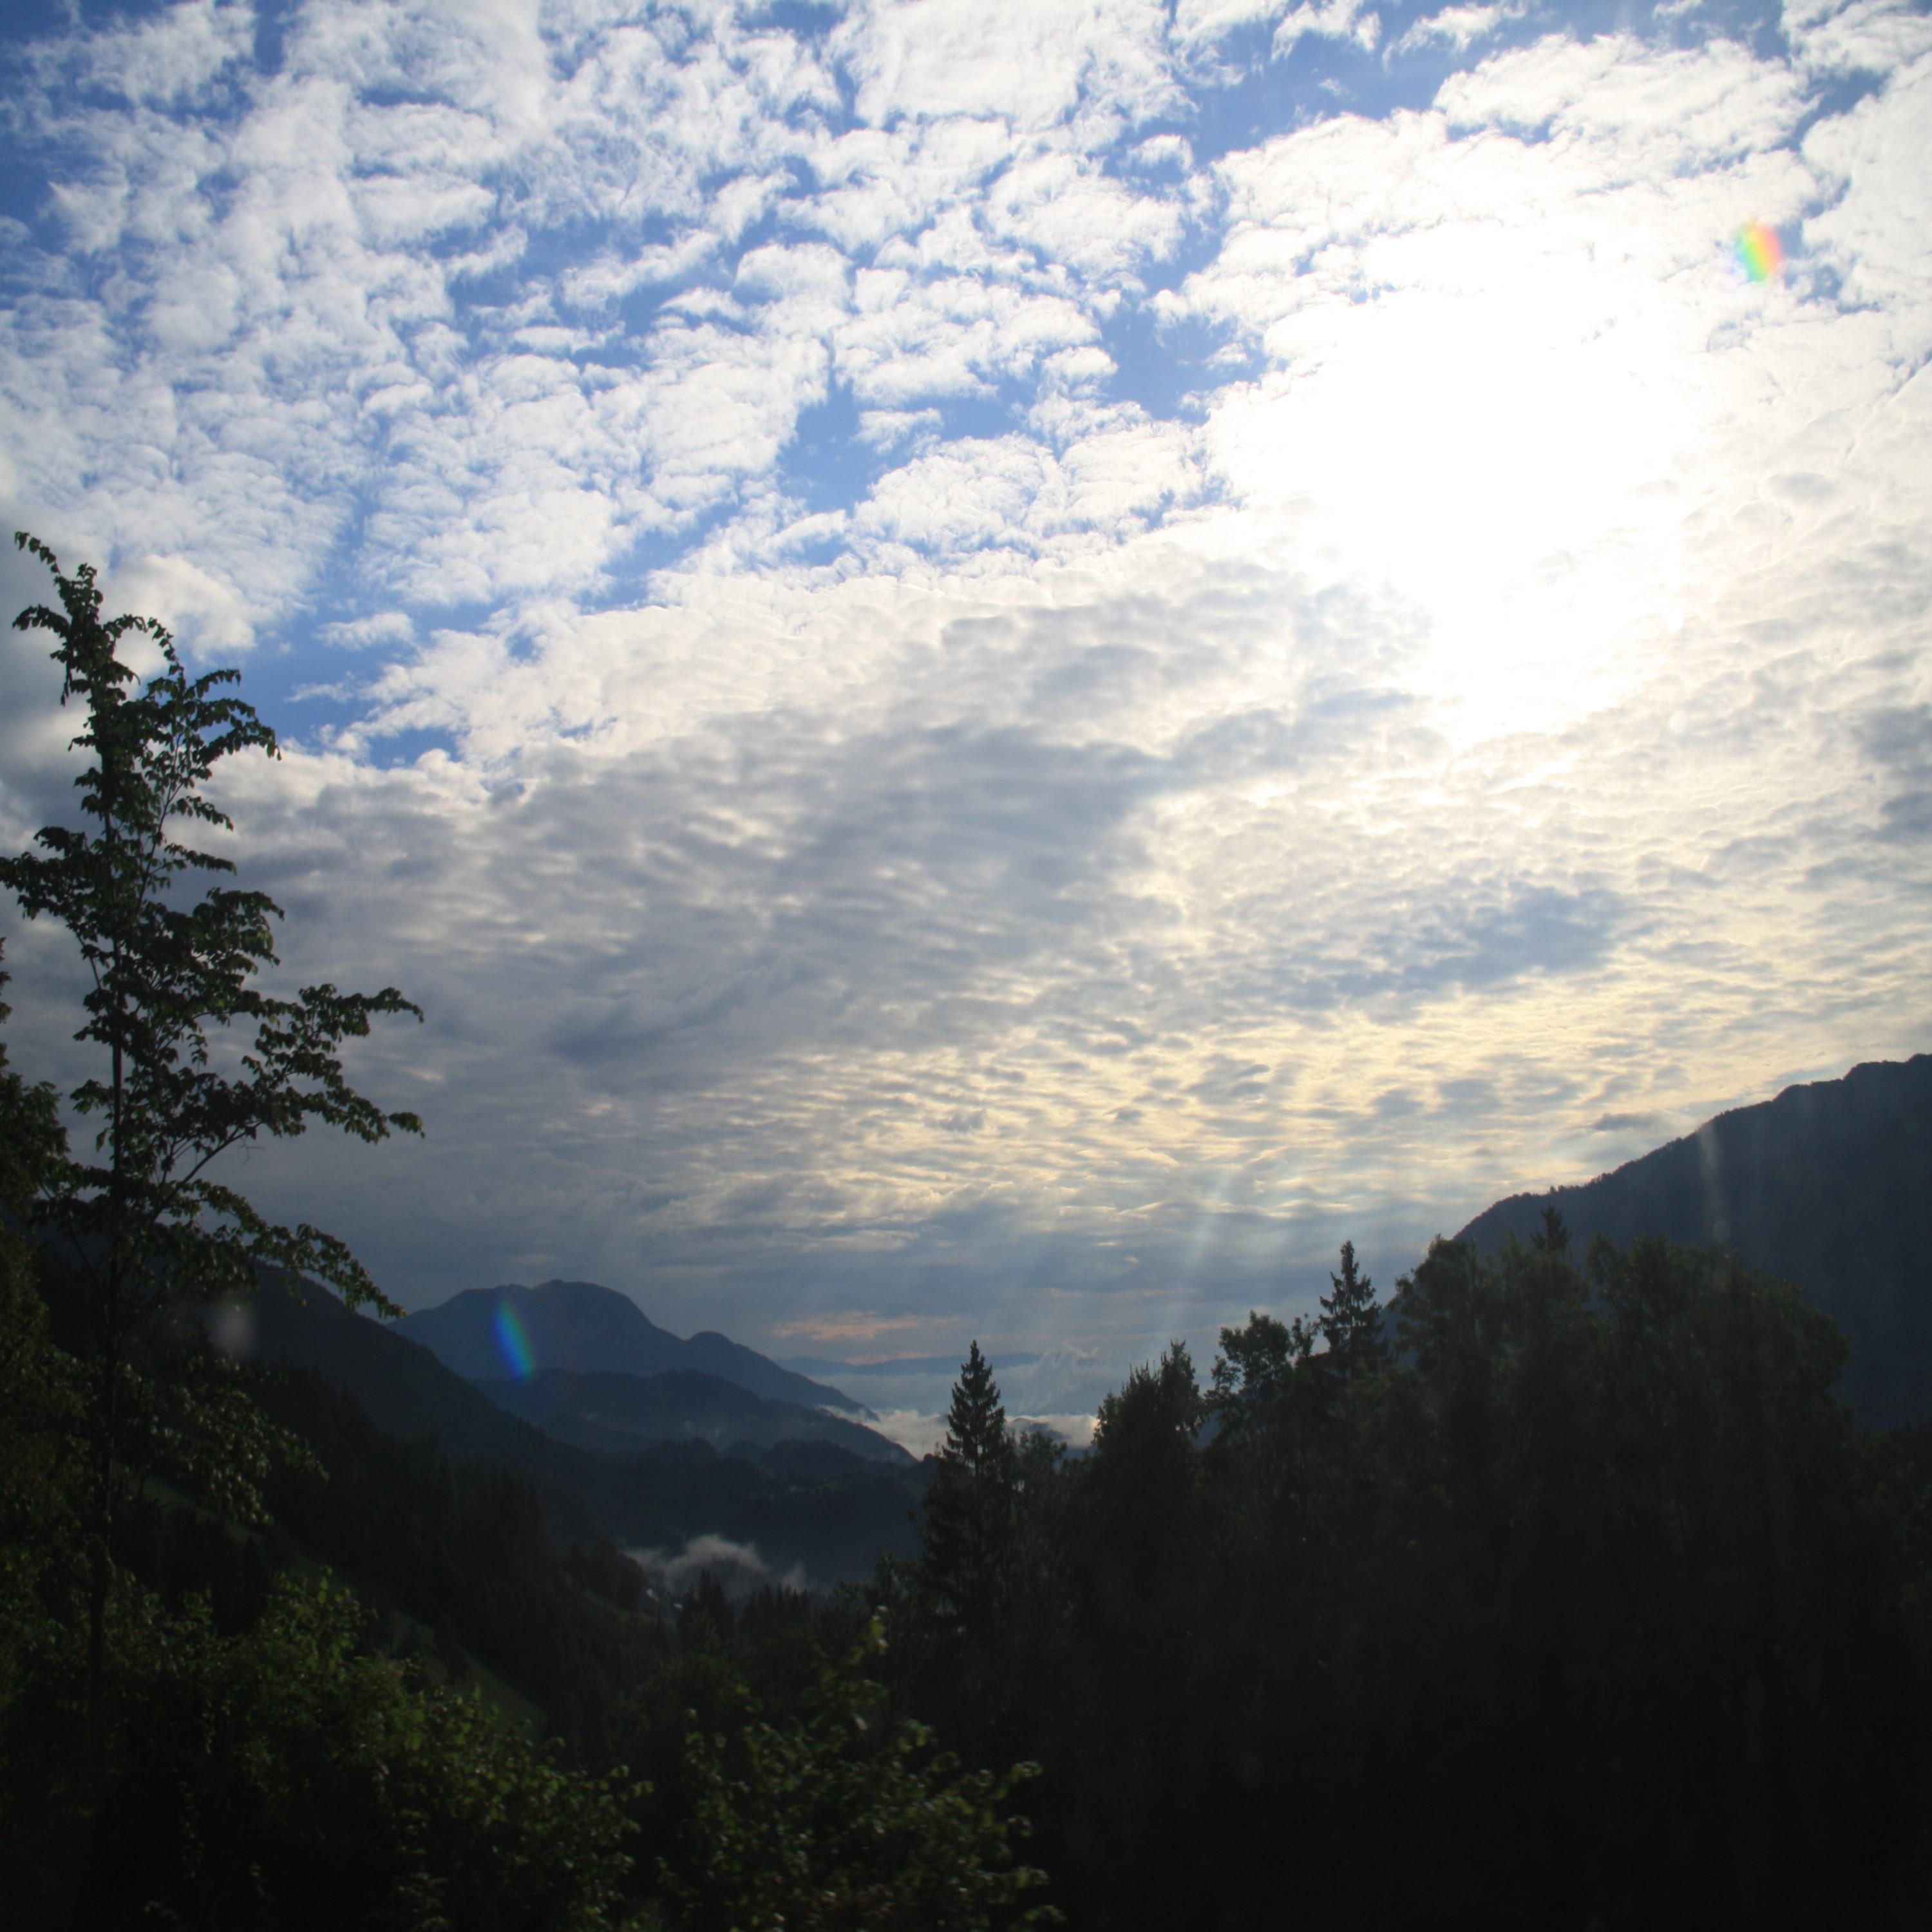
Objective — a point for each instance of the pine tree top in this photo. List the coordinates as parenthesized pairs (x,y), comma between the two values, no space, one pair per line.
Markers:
(975,1429)
(1351,1318)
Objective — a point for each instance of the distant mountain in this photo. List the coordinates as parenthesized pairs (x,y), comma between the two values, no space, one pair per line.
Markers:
(402,1388)
(814,1503)
(905,1365)
(1829,1185)
(499,1334)
(620,1414)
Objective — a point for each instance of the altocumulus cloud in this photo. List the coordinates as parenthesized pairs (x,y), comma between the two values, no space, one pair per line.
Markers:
(999,668)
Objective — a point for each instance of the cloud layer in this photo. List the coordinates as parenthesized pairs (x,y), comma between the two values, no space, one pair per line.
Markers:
(999,669)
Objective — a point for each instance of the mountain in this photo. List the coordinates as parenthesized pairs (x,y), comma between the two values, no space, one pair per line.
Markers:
(619,1414)
(903,1365)
(1829,1185)
(814,1503)
(401,1387)
(497,1334)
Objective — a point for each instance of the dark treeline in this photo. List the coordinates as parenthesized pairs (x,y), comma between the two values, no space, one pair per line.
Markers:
(1571,1596)
(1590,1607)
(1825,1186)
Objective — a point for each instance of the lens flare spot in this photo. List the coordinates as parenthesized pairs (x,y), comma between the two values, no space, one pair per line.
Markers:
(519,1358)
(1759,252)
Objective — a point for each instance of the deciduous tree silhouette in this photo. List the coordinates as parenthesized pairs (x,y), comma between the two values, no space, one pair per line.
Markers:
(196,1060)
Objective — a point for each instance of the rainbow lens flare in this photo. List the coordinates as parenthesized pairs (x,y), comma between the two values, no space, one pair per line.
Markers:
(1758,250)
(519,1358)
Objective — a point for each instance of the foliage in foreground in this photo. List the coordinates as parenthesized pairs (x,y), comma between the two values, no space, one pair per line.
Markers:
(287,1778)
(843,1820)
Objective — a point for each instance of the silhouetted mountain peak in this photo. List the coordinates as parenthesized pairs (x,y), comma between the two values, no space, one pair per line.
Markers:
(509,1333)
(831,1499)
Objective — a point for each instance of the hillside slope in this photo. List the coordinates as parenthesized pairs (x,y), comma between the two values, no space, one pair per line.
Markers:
(619,1414)
(1829,1185)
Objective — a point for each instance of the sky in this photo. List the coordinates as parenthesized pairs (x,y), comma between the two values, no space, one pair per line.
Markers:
(998,668)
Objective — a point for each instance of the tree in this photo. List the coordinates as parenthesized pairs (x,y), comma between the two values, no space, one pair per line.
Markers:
(31,1143)
(1351,1321)
(1255,1369)
(287,1778)
(1145,1435)
(1553,1238)
(39,1406)
(969,1508)
(1594,1606)
(842,1821)
(976,1440)
(198,1061)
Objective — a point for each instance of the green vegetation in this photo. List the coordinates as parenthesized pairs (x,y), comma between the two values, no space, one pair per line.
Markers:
(844,1819)
(286,1776)
(1824,1186)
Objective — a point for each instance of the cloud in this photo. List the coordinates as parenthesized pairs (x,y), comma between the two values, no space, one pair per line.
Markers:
(1071,212)
(911,340)
(737,1566)
(383,627)
(1898,738)
(174,61)
(984,679)
(1457,27)
(1705,103)
(1876,161)
(1332,20)
(1033,67)
(1201,22)
(1874,36)
(207,615)
(797,955)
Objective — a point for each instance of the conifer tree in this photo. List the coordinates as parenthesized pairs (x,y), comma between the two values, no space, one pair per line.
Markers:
(976,1425)
(970,1507)
(1351,1321)
(1553,1238)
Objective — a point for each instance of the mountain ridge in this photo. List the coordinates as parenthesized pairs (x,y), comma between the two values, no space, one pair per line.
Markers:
(904,1365)
(502,1333)
(614,1414)
(817,1503)
(1827,1184)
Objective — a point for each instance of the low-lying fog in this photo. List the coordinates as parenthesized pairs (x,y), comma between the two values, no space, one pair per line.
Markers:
(1059,1391)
